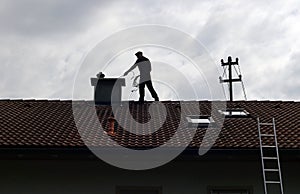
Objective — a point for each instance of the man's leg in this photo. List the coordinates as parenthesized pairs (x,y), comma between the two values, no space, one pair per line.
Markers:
(152,91)
(142,91)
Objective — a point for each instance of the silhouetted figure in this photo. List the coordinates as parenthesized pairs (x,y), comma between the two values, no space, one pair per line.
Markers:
(144,66)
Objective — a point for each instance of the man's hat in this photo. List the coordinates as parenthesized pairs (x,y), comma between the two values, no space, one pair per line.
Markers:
(139,53)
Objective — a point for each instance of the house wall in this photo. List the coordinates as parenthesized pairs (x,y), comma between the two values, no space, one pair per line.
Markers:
(95,177)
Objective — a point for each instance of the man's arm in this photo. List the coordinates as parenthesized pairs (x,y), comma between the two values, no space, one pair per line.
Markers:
(130,69)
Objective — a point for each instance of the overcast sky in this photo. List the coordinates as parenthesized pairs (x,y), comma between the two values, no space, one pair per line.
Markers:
(44,42)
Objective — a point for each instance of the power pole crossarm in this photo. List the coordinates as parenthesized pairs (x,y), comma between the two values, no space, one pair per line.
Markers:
(233,80)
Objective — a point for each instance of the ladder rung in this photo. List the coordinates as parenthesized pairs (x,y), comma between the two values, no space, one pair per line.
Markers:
(273,182)
(270,158)
(271,170)
(267,135)
(268,146)
(265,123)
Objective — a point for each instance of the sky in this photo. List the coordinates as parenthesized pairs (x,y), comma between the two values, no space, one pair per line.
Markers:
(43,45)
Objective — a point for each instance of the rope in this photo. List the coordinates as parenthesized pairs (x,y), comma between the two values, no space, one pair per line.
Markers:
(244,90)
(243,86)
(238,73)
(224,73)
(224,91)
(135,83)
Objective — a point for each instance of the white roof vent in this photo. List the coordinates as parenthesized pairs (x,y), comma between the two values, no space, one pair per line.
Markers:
(234,113)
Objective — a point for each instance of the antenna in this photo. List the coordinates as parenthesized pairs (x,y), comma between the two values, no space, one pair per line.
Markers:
(223,79)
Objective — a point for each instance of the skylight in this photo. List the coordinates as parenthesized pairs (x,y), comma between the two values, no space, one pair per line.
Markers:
(199,120)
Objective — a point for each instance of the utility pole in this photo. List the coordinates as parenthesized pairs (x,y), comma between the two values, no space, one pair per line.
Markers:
(230,80)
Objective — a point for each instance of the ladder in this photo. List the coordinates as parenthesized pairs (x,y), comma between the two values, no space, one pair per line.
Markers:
(269,147)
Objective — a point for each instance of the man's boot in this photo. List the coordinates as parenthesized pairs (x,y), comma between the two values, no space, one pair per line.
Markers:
(141,100)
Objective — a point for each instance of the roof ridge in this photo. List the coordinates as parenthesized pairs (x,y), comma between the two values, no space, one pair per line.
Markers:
(166,101)
(35,100)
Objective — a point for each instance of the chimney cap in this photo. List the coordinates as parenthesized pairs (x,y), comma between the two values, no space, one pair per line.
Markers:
(100,75)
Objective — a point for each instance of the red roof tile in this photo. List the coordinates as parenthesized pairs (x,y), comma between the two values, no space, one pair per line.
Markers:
(42,123)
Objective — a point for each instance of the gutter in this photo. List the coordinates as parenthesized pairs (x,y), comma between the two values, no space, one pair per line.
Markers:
(83,153)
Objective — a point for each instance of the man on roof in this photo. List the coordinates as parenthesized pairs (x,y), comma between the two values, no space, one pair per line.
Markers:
(144,67)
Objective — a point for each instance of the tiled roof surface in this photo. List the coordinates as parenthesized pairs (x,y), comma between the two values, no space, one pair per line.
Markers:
(42,123)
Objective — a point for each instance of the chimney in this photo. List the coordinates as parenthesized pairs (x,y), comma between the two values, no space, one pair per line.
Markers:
(107,90)
(111,130)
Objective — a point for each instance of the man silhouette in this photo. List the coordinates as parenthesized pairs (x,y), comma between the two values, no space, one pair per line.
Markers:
(144,66)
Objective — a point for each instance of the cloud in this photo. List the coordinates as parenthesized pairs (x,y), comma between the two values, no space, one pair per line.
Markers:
(46,18)
(44,42)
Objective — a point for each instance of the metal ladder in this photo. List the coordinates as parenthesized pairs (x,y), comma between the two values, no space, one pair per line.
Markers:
(275,158)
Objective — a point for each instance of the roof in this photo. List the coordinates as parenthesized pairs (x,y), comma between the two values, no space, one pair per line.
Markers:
(50,124)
